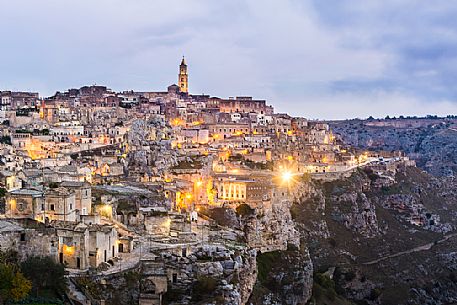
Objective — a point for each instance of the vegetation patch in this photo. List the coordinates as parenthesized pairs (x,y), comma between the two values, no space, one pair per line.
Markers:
(244,210)
(203,288)
(265,263)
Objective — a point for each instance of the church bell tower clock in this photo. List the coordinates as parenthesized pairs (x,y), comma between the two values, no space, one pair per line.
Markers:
(183,77)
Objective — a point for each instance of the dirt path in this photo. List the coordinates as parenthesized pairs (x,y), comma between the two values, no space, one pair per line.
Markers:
(415,249)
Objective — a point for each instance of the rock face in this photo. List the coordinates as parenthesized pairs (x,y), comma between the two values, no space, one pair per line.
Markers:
(356,212)
(431,142)
(270,227)
(245,279)
(284,267)
(115,289)
(385,239)
(149,151)
(285,277)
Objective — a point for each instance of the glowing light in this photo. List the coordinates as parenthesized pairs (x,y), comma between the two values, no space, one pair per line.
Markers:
(286,176)
(198,183)
(35,150)
(106,210)
(68,250)
(290,158)
(188,196)
(210,192)
(13,204)
(177,122)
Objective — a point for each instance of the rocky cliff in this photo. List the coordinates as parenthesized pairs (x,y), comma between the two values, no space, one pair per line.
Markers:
(380,238)
(432,143)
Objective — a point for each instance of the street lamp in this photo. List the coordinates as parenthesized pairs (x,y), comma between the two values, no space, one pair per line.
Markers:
(286,176)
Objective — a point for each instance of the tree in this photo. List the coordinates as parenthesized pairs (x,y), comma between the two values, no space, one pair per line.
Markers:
(5,140)
(13,285)
(244,210)
(44,274)
(9,257)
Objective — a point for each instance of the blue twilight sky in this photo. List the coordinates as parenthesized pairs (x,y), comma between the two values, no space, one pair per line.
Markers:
(314,58)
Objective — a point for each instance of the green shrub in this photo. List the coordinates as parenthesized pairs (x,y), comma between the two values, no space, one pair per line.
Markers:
(45,274)
(244,210)
(265,262)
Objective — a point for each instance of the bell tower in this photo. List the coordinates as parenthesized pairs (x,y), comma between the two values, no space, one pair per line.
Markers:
(183,77)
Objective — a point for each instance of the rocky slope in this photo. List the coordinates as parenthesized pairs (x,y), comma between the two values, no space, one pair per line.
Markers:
(284,267)
(376,239)
(431,142)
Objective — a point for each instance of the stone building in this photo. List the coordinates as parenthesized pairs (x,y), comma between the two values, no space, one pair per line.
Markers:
(83,195)
(221,131)
(73,244)
(84,245)
(183,77)
(60,204)
(28,238)
(24,203)
(244,104)
(103,243)
(231,189)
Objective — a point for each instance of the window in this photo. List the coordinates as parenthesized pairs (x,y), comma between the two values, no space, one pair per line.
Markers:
(71,206)
(22,236)
(52,207)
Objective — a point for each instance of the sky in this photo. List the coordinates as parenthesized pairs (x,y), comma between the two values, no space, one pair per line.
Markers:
(320,59)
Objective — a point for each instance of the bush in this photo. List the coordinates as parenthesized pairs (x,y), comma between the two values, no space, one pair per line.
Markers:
(5,140)
(45,274)
(204,286)
(324,281)
(13,285)
(53,185)
(265,262)
(244,210)
(237,157)
(9,257)
(323,287)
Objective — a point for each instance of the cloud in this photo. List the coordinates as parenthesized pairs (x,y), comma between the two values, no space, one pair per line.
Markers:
(313,58)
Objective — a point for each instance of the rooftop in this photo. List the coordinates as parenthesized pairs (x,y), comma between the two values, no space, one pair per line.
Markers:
(9,226)
(27,192)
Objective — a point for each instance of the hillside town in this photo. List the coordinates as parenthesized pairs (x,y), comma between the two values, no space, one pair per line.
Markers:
(108,183)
